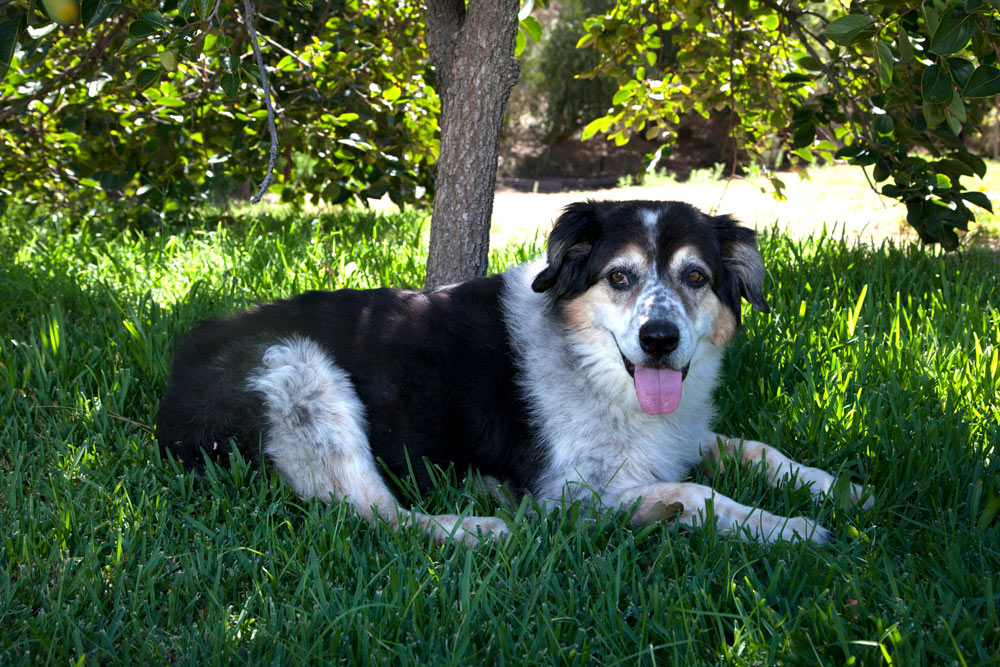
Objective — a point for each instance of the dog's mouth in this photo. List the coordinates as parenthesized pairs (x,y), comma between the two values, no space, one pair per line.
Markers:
(657,388)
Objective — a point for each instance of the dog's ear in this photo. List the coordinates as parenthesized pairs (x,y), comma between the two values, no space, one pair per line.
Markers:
(569,249)
(743,268)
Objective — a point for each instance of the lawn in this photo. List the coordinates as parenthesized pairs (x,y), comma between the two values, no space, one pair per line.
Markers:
(880,364)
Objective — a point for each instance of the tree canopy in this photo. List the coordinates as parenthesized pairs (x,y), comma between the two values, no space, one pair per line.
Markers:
(154,106)
(896,86)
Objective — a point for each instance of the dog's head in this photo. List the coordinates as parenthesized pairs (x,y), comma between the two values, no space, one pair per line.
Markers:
(658,279)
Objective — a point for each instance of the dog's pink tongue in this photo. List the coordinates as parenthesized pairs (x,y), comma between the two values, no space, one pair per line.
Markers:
(658,389)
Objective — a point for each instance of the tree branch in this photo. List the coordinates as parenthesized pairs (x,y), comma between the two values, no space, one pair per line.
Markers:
(804,35)
(248,17)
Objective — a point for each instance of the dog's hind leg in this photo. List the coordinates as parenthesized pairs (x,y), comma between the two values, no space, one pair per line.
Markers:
(316,437)
(779,468)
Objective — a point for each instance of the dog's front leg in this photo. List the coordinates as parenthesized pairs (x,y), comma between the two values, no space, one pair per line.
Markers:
(779,468)
(687,503)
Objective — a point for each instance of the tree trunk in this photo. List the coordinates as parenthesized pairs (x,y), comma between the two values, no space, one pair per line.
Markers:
(472,51)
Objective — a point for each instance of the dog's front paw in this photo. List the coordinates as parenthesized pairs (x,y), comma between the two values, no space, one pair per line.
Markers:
(847,495)
(824,485)
(475,529)
(805,529)
(779,528)
(860,493)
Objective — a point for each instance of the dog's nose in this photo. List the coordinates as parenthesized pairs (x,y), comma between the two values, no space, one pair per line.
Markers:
(659,337)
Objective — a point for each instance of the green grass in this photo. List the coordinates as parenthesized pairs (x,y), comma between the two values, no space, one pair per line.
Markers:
(880,364)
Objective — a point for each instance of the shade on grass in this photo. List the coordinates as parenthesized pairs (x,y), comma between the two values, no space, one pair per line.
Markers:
(880,364)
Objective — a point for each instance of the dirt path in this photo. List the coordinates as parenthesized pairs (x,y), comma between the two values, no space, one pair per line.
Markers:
(838,197)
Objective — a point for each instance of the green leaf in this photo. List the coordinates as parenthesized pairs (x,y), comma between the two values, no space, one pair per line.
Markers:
(804,154)
(975,163)
(532,28)
(935,85)
(147,77)
(95,12)
(933,114)
(622,95)
(883,64)
(230,83)
(930,17)
(203,8)
(519,43)
(880,173)
(905,47)
(169,102)
(809,63)
(953,34)
(956,108)
(961,70)
(955,114)
(979,199)
(984,82)
(849,152)
(601,124)
(804,136)
(847,30)
(893,191)
(154,18)
(958,169)
(392,94)
(8,40)
(139,28)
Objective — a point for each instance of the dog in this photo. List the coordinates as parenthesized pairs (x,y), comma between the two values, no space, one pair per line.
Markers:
(585,375)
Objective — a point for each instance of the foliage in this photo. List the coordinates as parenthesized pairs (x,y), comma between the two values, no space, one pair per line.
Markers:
(570,101)
(157,105)
(891,85)
(112,555)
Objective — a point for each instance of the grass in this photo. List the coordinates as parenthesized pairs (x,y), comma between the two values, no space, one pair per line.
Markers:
(880,364)
(662,177)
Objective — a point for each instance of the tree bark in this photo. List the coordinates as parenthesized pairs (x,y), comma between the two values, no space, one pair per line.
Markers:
(472,50)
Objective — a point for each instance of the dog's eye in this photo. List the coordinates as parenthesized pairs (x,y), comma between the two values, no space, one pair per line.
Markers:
(619,279)
(695,277)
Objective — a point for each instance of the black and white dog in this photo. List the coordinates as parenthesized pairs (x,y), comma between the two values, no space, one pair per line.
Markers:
(585,375)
